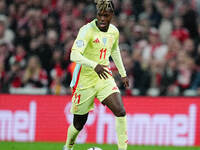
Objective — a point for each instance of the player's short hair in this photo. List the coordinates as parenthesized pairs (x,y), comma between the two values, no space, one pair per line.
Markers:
(104,5)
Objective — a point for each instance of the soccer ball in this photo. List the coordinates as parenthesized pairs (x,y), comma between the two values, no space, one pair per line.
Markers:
(94,148)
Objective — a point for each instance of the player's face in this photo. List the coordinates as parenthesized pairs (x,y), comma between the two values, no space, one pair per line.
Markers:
(103,20)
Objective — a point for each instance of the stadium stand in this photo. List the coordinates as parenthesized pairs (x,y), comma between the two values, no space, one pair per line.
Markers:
(159,41)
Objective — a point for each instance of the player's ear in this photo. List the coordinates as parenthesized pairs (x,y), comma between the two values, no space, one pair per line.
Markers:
(111,13)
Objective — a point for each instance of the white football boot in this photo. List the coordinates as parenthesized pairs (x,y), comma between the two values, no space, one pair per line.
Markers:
(65,148)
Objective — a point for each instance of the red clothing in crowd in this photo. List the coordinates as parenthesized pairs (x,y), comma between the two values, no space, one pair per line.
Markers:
(181,34)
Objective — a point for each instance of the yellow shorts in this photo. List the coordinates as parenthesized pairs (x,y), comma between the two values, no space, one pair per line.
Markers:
(83,99)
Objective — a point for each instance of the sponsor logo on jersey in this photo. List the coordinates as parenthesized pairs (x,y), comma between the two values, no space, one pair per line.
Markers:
(96,41)
(115,88)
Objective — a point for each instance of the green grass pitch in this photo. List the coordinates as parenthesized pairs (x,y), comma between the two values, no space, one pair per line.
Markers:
(58,146)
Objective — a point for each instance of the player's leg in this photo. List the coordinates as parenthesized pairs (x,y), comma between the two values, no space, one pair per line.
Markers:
(82,103)
(109,94)
(115,104)
(74,129)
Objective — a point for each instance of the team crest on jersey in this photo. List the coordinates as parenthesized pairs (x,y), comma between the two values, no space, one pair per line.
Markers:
(104,40)
(80,43)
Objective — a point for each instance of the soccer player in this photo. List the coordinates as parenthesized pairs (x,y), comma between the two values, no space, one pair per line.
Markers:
(95,43)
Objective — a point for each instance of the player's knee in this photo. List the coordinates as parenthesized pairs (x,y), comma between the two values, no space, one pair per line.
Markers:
(79,121)
(120,113)
(78,126)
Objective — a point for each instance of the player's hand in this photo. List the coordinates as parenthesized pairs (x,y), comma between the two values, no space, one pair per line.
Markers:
(125,82)
(101,71)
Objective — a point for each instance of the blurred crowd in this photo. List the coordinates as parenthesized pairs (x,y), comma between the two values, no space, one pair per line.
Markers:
(159,43)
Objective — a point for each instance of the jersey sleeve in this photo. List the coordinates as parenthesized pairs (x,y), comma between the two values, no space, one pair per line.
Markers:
(116,56)
(81,40)
(79,46)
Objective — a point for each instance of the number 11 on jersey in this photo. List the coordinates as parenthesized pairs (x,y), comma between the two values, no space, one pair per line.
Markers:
(101,53)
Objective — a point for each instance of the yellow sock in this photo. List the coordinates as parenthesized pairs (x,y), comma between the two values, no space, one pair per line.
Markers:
(121,129)
(71,136)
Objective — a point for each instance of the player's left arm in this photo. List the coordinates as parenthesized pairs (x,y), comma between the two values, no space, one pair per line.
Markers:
(116,56)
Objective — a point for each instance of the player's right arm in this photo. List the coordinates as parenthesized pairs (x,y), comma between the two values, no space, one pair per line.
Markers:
(79,46)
